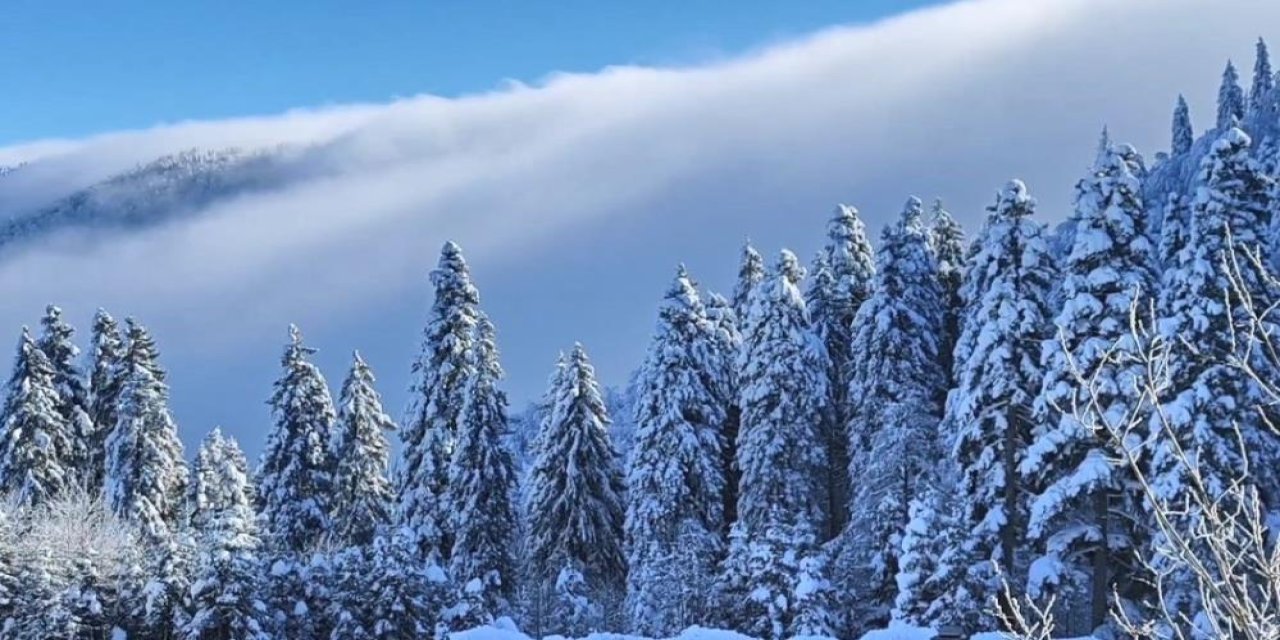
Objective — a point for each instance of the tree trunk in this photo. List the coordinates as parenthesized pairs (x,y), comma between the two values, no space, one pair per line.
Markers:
(1099,600)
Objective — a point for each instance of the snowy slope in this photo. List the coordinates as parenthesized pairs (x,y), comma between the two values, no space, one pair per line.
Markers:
(169,188)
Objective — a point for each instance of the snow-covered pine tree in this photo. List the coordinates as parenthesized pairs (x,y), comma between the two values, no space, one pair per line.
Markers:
(146,470)
(147,479)
(35,439)
(1263,81)
(224,590)
(1183,134)
(408,596)
(362,492)
(575,508)
(440,372)
(675,482)
(1086,513)
(918,559)
(774,583)
(841,282)
(725,344)
(944,591)
(897,388)
(295,492)
(1230,100)
(750,272)
(106,357)
(56,341)
(383,591)
(482,486)
(988,417)
(949,246)
(946,239)
(1196,310)
(782,390)
(295,476)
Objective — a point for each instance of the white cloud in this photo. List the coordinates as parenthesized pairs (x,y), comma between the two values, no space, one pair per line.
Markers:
(574,198)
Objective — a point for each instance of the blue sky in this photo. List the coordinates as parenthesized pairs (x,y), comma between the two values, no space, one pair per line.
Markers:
(77,68)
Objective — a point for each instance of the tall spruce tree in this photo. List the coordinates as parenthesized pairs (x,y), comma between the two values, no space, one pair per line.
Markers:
(1230,100)
(1197,308)
(897,388)
(988,418)
(726,342)
(750,272)
(482,486)
(106,361)
(224,593)
(35,439)
(440,372)
(362,492)
(842,281)
(57,343)
(1183,135)
(947,240)
(295,476)
(575,507)
(146,470)
(1263,81)
(782,389)
(675,482)
(146,482)
(1085,516)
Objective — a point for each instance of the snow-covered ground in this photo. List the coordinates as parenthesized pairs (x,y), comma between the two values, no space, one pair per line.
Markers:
(505,629)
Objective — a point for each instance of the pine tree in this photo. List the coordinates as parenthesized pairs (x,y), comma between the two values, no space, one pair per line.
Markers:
(988,418)
(147,479)
(407,595)
(917,559)
(897,387)
(1183,135)
(750,272)
(782,390)
(482,485)
(105,378)
(774,583)
(56,341)
(440,373)
(362,492)
(295,477)
(1197,309)
(842,281)
(146,470)
(224,593)
(35,439)
(575,507)
(675,483)
(1263,81)
(940,593)
(725,344)
(1230,100)
(946,239)
(1085,515)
